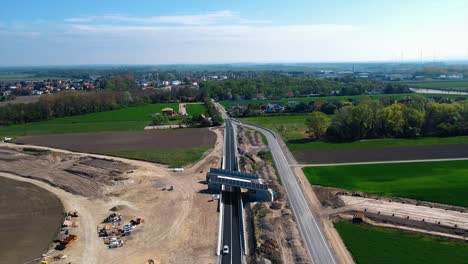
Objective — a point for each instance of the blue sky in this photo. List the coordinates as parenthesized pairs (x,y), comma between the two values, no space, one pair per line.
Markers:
(52,32)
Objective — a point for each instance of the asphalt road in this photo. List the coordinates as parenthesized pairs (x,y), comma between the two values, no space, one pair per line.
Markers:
(231,200)
(309,225)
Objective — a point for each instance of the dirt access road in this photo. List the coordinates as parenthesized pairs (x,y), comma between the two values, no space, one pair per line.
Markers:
(180,226)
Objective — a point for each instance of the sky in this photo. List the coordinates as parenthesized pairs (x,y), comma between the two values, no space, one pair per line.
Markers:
(84,32)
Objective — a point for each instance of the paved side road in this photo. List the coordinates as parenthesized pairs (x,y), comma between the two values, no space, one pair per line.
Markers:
(309,226)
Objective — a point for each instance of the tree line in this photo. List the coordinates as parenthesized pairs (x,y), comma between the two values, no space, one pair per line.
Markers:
(280,87)
(66,103)
(407,119)
(70,103)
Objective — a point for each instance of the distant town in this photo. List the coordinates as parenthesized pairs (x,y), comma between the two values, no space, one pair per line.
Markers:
(13,84)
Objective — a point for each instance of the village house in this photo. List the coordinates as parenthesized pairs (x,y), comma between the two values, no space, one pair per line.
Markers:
(272,108)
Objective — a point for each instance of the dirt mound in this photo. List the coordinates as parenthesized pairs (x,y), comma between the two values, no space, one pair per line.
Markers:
(75,174)
(118,208)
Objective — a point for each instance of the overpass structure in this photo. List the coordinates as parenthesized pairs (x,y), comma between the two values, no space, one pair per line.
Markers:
(256,190)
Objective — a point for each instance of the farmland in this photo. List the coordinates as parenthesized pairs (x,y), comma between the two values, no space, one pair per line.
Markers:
(176,147)
(370,245)
(442,182)
(459,85)
(125,119)
(20,199)
(171,157)
(196,109)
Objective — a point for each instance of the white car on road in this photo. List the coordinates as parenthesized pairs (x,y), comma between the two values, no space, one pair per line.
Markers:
(226,249)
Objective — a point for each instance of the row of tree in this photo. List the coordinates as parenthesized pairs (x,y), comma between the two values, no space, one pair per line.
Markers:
(179,94)
(69,103)
(214,113)
(267,86)
(64,104)
(371,119)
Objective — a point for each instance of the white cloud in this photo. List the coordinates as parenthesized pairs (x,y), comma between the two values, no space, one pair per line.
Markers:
(198,19)
(240,31)
(220,37)
(213,43)
(258,43)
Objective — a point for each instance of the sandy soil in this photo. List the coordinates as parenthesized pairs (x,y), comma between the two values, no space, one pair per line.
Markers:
(400,210)
(327,156)
(180,226)
(134,140)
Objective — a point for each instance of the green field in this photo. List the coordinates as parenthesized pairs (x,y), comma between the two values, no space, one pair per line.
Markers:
(197,109)
(371,245)
(294,125)
(456,85)
(442,182)
(130,118)
(171,157)
(228,104)
(292,129)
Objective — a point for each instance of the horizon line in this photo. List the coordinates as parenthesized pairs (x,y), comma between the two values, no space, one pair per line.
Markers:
(412,61)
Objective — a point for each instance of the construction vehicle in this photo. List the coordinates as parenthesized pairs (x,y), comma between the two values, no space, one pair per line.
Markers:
(66,242)
(73,214)
(116,244)
(113,218)
(136,222)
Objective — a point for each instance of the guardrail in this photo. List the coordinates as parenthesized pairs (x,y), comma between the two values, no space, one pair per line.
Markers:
(221,218)
(242,233)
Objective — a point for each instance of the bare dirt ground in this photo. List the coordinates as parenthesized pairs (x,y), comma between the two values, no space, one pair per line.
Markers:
(417,216)
(180,226)
(414,212)
(22,100)
(134,140)
(26,209)
(276,232)
(327,156)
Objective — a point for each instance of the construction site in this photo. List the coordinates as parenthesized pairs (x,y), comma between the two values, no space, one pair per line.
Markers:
(100,209)
(439,220)
(117,210)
